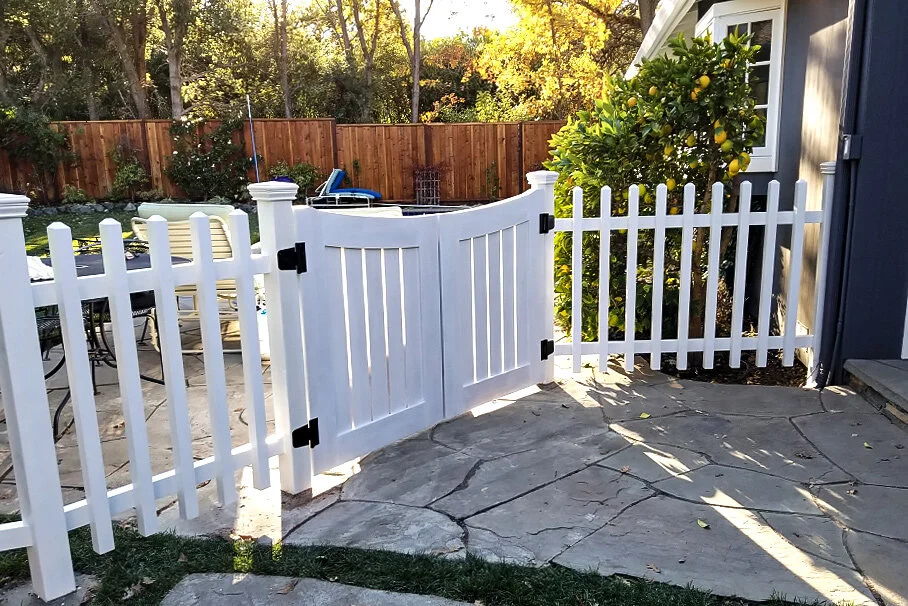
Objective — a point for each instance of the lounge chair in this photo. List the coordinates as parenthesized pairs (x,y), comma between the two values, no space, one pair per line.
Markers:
(330,194)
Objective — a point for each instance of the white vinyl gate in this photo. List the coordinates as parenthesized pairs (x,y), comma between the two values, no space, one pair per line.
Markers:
(378,327)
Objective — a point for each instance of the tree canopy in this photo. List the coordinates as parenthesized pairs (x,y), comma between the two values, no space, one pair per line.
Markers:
(355,60)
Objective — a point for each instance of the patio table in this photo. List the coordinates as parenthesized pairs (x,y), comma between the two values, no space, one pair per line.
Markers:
(94,311)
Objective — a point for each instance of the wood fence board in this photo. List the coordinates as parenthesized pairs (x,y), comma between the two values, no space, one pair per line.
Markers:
(376,156)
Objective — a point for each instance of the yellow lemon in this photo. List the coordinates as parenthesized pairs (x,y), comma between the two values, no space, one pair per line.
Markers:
(693,165)
(720,136)
(695,93)
(726,146)
(691,140)
(727,63)
(673,210)
(668,150)
(670,184)
(719,123)
(733,167)
(653,91)
(632,102)
(703,81)
(666,130)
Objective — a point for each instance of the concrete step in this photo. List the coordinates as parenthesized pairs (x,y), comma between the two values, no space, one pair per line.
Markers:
(883,383)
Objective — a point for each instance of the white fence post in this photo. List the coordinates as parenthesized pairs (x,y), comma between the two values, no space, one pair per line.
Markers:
(545,180)
(27,414)
(278,229)
(827,169)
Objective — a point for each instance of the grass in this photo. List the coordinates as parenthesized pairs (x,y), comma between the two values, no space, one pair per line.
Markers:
(146,568)
(86,226)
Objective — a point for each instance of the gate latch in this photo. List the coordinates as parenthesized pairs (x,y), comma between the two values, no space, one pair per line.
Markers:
(547,348)
(307,435)
(546,223)
(292,258)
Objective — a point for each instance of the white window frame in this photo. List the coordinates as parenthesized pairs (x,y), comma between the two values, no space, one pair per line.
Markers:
(718,18)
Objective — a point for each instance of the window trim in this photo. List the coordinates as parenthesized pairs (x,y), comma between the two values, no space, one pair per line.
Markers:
(764,159)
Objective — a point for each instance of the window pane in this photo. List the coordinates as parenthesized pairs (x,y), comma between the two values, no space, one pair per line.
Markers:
(762,35)
(759,82)
(740,27)
(761,141)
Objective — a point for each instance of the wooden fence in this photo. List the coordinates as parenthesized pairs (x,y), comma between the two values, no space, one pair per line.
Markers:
(478,161)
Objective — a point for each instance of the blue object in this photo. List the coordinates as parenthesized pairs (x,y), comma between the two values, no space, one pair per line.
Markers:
(336,178)
(358,190)
(283,179)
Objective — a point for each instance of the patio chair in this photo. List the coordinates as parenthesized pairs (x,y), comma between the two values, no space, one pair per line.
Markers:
(330,194)
(181,246)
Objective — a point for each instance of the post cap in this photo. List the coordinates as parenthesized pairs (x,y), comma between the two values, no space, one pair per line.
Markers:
(827,168)
(273,191)
(539,178)
(13,206)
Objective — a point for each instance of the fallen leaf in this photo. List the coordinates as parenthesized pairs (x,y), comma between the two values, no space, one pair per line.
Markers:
(852,491)
(899,446)
(682,560)
(867,445)
(803,454)
(182,558)
(702,524)
(625,469)
(653,567)
(644,415)
(147,581)
(288,587)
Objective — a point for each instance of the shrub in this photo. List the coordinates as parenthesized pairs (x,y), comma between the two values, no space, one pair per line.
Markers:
(28,137)
(304,175)
(208,162)
(75,195)
(685,118)
(131,176)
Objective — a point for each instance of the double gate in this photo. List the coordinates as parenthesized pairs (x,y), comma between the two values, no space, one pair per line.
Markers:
(408,321)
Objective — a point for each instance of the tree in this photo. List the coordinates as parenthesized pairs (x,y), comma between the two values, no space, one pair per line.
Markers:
(280,52)
(688,118)
(414,50)
(126,22)
(176,16)
(647,14)
(553,62)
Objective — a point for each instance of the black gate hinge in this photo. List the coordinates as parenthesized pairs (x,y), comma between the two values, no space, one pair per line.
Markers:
(546,223)
(547,348)
(307,435)
(292,258)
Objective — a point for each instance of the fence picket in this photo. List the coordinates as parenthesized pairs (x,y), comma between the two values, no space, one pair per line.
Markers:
(712,276)
(630,296)
(577,278)
(409,258)
(171,354)
(655,357)
(375,334)
(213,356)
(766,276)
(687,241)
(795,262)
(79,373)
(397,382)
(480,307)
(495,342)
(249,342)
(508,298)
(360,403)
(605,254)
(737,307)
(124,338)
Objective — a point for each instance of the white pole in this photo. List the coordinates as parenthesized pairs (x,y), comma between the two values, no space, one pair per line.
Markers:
(25,402)
(827,169)
(255,156)
(545,180)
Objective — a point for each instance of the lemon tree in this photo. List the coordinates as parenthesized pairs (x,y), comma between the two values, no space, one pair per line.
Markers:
(687,117)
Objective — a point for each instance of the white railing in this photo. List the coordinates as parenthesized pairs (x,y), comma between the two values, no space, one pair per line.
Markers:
(45,519)
(687,221)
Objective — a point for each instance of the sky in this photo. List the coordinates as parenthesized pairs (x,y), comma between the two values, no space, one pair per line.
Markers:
(447,17)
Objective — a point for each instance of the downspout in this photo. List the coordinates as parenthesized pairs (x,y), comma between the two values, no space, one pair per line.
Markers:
(842,223)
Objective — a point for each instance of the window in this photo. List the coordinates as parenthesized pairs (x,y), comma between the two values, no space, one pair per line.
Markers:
(764,21)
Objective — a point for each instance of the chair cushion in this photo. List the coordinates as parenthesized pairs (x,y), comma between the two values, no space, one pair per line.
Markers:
(176,211)
(357,190)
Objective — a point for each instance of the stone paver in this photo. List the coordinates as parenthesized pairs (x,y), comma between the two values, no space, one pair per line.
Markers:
(254,590)
(738,554)
(756,400)
(654,462)
(877,509)
(883,562)
(549,520)
(24,595)
(381,526)
(815,535)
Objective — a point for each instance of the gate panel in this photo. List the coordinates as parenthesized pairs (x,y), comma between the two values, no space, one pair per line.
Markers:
(491,282)
(372,323)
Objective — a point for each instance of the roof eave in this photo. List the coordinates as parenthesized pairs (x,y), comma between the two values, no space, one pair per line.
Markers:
(668,15)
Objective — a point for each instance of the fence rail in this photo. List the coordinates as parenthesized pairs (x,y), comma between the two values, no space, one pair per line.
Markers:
(478,161)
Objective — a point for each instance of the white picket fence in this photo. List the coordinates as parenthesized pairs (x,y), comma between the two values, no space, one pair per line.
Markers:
(687,221)
(378,327)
